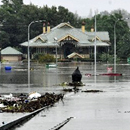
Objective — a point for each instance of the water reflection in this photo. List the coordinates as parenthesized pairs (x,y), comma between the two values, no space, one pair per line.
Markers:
(109,110)
(43,77)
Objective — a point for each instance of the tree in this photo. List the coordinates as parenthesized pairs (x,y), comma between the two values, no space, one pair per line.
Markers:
(124,47)
(106,23)
(10,20)
(15,18)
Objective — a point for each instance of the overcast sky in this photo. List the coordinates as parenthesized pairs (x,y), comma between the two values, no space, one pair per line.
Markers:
(83,7)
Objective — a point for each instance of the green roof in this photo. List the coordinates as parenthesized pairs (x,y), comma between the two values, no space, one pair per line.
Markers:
(104,36)
(10,51)
(65,29)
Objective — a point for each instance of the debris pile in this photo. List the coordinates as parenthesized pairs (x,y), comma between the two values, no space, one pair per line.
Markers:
(29,103)
(76,81)
(77,84)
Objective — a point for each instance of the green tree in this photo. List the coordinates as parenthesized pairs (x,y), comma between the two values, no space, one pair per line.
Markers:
(124,47)
(106,23)
(10,21)
(15,18)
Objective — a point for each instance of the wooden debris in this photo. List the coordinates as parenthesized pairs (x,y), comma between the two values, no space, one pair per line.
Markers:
(26,105)
(92,91)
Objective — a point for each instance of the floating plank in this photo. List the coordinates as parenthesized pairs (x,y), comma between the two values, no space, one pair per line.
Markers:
(57,127)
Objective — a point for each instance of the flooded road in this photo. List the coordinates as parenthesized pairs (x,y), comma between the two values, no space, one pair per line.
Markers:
(107,110)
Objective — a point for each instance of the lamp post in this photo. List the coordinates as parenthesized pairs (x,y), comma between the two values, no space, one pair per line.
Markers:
(115,43)
(29,50)
(55,39)
(0,58)
(95,47)
(0,46)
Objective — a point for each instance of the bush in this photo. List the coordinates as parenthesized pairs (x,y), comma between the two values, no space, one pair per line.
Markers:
(44,58)
(108,58)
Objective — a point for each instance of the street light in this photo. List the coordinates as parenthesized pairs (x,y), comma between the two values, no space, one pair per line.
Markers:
(1,24)
(55,39)
(95,48)
(29,51)
(115,42)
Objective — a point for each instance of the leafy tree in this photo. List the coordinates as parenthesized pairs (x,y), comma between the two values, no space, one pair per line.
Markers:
(106,58)
(106,23)
(4,38)
(15,18)
(124,47)
(10,20)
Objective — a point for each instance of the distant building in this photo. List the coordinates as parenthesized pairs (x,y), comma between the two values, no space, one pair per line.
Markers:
(10,54)
(68,40)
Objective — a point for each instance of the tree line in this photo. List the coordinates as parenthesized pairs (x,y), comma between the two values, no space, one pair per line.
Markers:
(15,17)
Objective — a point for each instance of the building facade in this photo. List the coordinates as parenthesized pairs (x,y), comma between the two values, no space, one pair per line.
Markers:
(11,55)
(65,40)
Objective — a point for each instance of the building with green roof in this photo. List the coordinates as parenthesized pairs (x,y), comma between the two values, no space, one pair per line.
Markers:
(67,39)
(10,54)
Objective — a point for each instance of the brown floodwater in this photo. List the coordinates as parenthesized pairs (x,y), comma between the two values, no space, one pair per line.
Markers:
(107,110)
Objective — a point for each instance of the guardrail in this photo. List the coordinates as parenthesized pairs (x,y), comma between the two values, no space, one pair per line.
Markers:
(21,120)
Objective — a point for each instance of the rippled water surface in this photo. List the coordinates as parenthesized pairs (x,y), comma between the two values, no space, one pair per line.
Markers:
(107,110)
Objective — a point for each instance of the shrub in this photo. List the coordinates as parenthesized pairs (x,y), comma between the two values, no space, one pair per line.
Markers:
(44,58)
(108,58)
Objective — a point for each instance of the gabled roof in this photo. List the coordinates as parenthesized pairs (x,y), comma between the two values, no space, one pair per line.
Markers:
(61,25)
(61,32)
(97,38)
(74,55)
(104,36)
(40,38)
(10,51)
(68,36)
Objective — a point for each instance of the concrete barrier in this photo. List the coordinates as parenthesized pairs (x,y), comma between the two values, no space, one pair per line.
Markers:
(21,120)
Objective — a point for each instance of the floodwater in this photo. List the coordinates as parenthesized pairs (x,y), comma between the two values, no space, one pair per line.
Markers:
(107,110)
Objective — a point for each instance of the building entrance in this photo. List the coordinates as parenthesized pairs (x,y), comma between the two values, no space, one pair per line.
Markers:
(68,48)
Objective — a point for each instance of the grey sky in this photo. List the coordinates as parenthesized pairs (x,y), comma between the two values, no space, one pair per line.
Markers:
(83,7)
